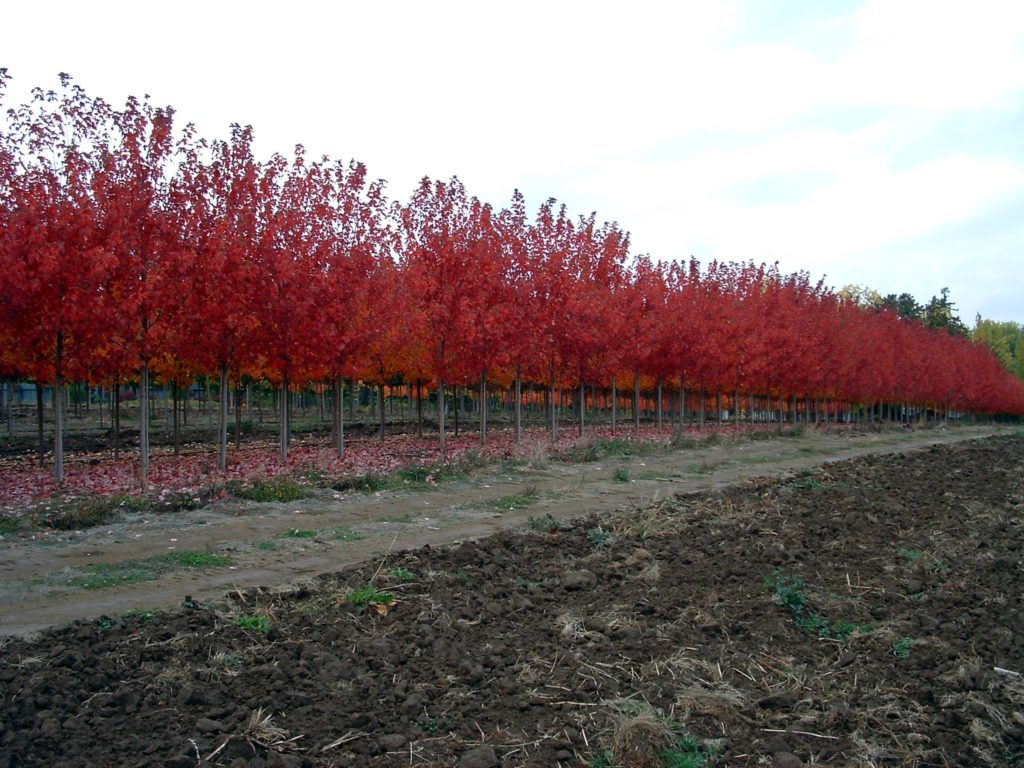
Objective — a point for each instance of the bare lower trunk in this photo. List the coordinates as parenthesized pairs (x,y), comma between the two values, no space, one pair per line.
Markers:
(681,424)
(583,406)
(440,417)
(636,402)
(40,419)
(554,412)
(339,416)
(483,408)
(222,421)
(419,409)
(284,429)
(615,397)
(518,406)
(58,415)
(661,416)
(382,413)
(144,428)
(117,417)
(238,418)
(736,408)
(175,399)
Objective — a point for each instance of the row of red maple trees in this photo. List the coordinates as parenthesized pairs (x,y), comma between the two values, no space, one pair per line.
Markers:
(133,248)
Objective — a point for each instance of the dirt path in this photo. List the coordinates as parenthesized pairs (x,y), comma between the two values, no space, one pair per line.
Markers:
(272,544)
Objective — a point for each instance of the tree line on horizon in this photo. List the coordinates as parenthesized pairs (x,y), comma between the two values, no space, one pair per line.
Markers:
(132,249)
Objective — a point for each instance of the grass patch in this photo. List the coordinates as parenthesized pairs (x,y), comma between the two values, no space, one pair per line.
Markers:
(368,483)
(342,534)
(106,575)
(195,559)
(278,489)
(405,519)
(621,475)
(9,524)
(299,533)
(528,497)
(266,546)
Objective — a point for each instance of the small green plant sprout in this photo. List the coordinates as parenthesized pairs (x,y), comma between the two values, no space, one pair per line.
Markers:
(621,475)
(547,523)
(369,595)
(401,574)
(910,554)
(250,623)
(901,648)
(599,537)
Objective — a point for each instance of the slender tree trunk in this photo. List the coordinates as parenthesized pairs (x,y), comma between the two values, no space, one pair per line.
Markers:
(116,416)
(583,405)
(440,417)
(702,413)
(518,417)
(419,408)
(383,415)
(456,396)
(736,408)
(636,402)
(8,410)
(58,415)
(175,398)
(283,436)
(339,416)
(681,425)
(615,404)
(661,417)
(238,417)
(40,420)
(483,408)
(554,410)
(222,420)
(144,427)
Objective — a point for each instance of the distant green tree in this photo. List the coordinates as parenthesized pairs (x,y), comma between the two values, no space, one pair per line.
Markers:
(940,313)
(904,304)
(1005,339)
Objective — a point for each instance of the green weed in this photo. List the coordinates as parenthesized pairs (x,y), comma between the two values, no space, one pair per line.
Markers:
(9,524)
(599,537)
(259,624)
(547,524)
(789,592)
(266,546)
(901,648)
(621,475)
(369,595)
(401,574)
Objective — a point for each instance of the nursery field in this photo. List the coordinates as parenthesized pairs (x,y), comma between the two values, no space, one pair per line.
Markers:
(737,603)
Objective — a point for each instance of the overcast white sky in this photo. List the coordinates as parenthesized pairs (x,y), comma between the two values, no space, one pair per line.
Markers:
(878,143)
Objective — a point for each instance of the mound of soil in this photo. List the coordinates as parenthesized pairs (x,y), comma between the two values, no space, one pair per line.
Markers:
(867,612)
